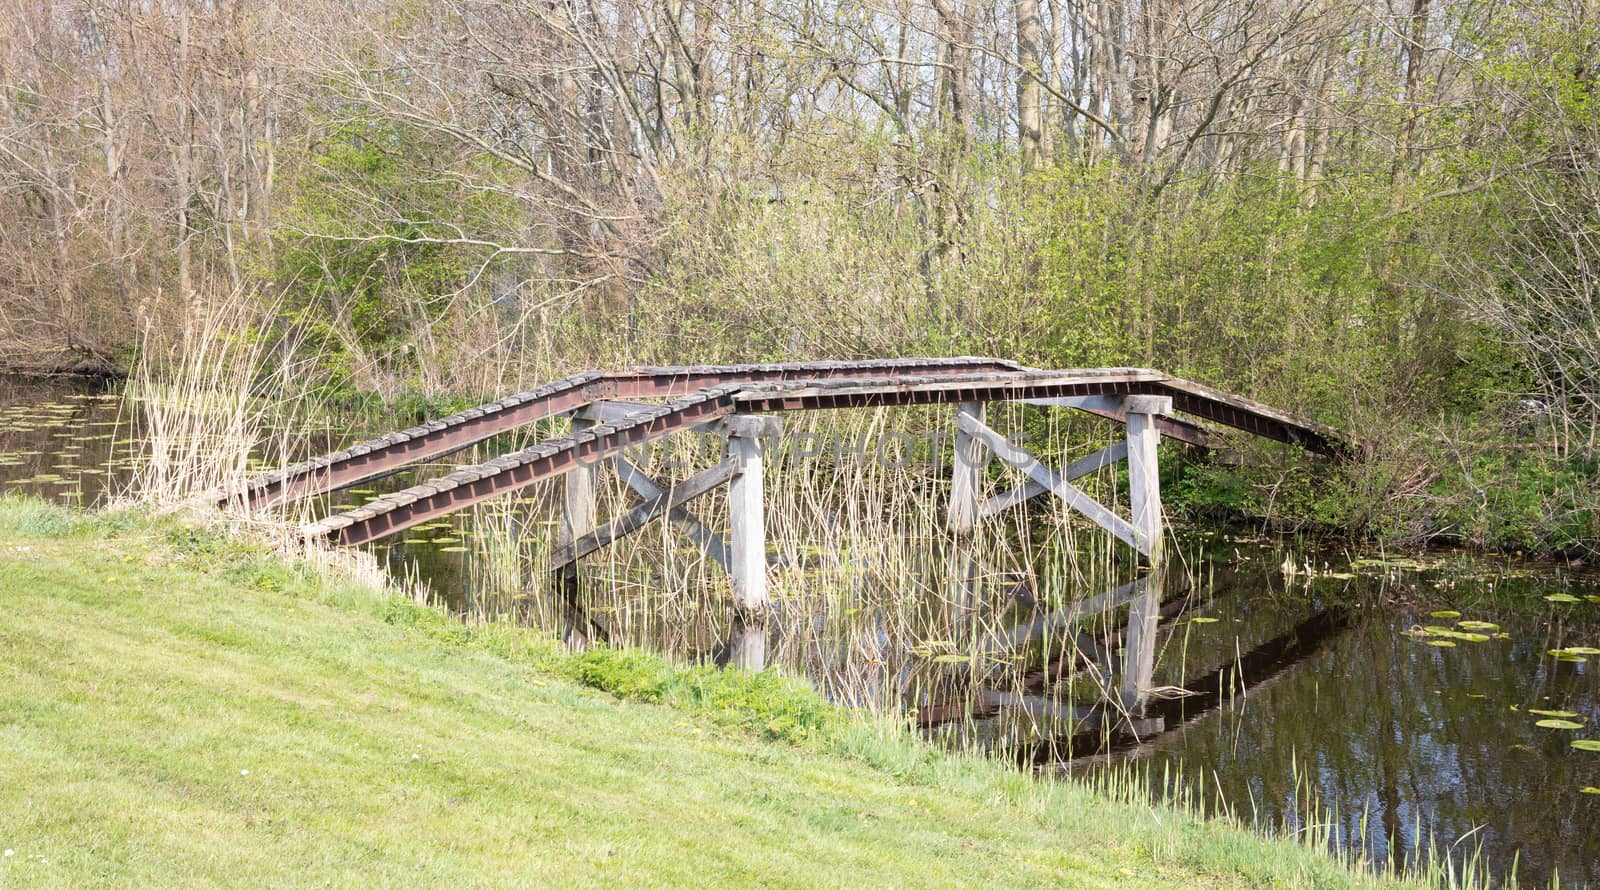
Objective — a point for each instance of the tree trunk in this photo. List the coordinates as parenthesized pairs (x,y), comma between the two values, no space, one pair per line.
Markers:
(1030,115)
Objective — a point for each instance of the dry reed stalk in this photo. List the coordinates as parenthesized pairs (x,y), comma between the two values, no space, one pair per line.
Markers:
(864,602)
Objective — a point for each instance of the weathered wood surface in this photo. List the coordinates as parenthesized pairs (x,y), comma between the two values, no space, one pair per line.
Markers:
(966,474)
(1144,470)
(747,526)
(665,501)
(420,503)
(1047,478)
(709,542)
(447,435)
(746,389)
(1030,489)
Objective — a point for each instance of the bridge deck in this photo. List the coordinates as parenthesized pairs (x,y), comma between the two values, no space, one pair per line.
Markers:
(447,435)
(699,394)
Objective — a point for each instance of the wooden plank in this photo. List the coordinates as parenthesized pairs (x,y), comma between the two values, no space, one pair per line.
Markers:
(427,441)
(1069,494)
(1172,427)
(443,436)
(1082,403)
(665,501)
(988,386)
(1030,489)
(608,410)
(1254,417)
(403,509)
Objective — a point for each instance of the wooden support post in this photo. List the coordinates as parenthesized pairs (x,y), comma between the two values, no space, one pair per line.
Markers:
(1139,650)
(577,520)
(748,533)
(1144,495)
(966,477)
(1144,473)
(966,472)
(578,503)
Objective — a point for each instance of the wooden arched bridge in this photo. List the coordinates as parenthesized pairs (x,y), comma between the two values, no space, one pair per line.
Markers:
(613,411)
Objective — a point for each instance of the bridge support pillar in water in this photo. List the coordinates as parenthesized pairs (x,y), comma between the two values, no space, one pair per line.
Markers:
(966,473)
(1144,471)
(577,520)
(747,533)
(1144,498)
(966,478)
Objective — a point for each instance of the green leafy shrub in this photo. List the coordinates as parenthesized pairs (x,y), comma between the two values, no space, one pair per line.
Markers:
(626,673)
(767,703)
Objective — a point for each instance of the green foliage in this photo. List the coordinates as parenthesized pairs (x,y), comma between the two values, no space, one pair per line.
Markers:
(625,673)
(243,562)
(33,517)
(371,244)
(767,703)
(1505,496)
(417,758)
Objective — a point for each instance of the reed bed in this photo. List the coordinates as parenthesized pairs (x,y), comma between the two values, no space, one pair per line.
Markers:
(873,599)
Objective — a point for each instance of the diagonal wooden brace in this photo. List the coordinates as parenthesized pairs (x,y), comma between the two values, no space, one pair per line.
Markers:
(1050,481)
(1030,489)
(715,548)
(662,504)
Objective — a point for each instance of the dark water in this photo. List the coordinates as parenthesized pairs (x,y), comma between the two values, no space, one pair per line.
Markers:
(1403,745)
(1283,695)
(62,440)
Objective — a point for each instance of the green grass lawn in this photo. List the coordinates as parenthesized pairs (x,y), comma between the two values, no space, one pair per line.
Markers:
(175,710)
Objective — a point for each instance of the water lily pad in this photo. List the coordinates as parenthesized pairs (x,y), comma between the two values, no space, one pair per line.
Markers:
(1444,613)
(1581,650)
(1562,598)
(1449,634)
(1589,789)
(1477,625)
(1201,619)
(1574,659)
(456,549)
(1442,644)
(1558,724)
(1587,745)
(1592,598)
(1542,713)
(951,658)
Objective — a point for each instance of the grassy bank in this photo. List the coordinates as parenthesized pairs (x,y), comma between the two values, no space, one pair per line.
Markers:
(177,709)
